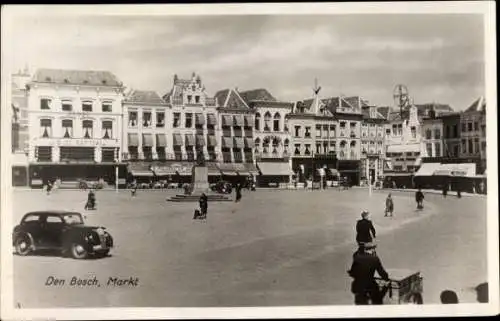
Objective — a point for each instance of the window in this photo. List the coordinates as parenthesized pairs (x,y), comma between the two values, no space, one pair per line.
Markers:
(67,125)
(342,124)
(437,133)
(437,149)
(160,151)
(146,119)
(67,105)
(455,131)
(318,130)
(285,146)
(197,99)
(107,127)
(257,142)
(147,151)
(413,132)
(286,125)
(267,122)
(109,155)
(483,146)
(428,134)
(257,121)
(54,219)
(132,118)
(429,149)
(189,120)
(45,103)
(133,151)
(464,127)
(43,153)
(226,155)
(469,127)
(276,122)
(107,107)
(332,130)
(297,149)
(483,130)
(265,145)
(87,106)
(177,120)
(211,153)
(476,146)
(46,128)
(297,131)
(87,129)
(476,126)
(464,146)
(308,132)
(318,148)
(387,131)
(471,147)
(308,149)
(400,129)
(324,133)
(160,119)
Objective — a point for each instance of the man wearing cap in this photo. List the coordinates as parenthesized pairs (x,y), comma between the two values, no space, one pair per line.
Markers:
(364,229)
(364,287)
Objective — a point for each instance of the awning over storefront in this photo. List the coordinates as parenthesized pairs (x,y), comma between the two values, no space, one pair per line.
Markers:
(133,140)
(199,119)
(212,141)
(427,169)
(397,174)
(227,169)
(248,121)
(177,139)
(241,169)
(249,142)
(227,142)
(140,169)
(213,170)
(456,170)
(238,120)
(275,168)
(162,170)
(238,142)
(161,140)
(211,120)
(147,140)
(183,169)
(190,140)
(200,140)
(406,148)
(226,120)
(251,168)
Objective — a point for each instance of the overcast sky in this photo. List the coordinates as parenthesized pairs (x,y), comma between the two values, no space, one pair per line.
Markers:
(439,58)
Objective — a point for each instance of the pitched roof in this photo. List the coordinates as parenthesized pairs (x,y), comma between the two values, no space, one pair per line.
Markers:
(384,111)
(145,97)
(257,94)
(230,98)
(423,109)
(478,105)
(77,77)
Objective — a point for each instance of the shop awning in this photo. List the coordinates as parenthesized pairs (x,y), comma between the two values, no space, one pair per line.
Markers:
(147,140)
(133,140)
(227,169)
(227,142)
(177,139)
(241,169)
(396,174)
(251,168)
(200,140)
(238,142)
(238,120)
(140,169)
(427,169)
(163,170)
(190,140)
(161,140)
(248,121)
(456,170)
(226,120)
(183,169)
(406,148)
(212,141)
(249,142)
(211,120)
(199,119)
(275,168)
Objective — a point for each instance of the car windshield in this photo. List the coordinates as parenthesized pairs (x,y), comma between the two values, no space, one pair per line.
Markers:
(73,219)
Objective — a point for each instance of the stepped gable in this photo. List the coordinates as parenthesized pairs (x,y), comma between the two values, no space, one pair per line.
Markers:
(77,77)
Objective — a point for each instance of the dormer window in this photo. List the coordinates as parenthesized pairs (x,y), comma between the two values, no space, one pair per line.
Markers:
(197,99)
(189,97)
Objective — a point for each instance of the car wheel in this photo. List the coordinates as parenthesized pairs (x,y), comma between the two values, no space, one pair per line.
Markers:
(78,251)
(23,245)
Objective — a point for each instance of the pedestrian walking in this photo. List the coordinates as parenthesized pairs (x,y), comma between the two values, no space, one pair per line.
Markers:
(203,205)
(419,197)
(365,232)
(133,191)
(49,187)
(445,190)
(238,193)
(389,206)
(91,201)
(364,286)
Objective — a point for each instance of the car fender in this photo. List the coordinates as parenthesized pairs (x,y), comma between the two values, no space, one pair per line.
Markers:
(72,236)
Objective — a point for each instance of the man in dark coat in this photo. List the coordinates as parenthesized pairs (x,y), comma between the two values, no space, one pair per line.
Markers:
(238,192)
(419,197)
(365,232)
(203,205)
(364,287)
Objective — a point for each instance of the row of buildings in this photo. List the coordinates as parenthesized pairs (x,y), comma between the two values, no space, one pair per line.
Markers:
(74,125)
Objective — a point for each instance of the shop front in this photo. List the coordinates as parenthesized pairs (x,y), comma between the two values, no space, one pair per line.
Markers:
(274,174)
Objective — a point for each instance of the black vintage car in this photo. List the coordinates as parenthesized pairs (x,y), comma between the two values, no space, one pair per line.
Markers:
(60,230)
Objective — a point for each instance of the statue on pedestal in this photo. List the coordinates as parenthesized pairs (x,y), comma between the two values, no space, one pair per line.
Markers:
(200,158)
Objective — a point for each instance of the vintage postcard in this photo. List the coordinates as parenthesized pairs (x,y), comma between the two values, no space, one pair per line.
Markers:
(249,161)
